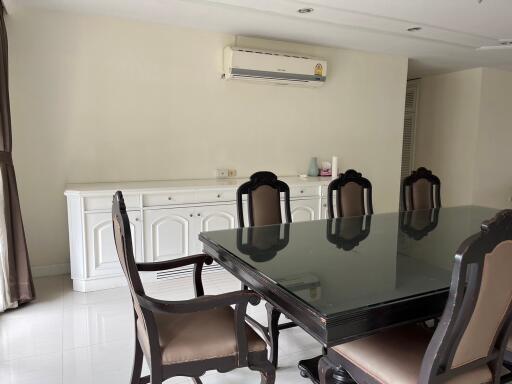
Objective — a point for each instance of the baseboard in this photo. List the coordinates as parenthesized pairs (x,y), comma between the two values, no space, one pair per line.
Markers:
(50,270)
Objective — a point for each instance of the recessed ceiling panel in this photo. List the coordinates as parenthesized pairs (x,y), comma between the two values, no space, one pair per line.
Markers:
(451,30)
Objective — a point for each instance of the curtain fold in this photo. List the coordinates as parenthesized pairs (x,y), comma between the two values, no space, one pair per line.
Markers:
(16,286)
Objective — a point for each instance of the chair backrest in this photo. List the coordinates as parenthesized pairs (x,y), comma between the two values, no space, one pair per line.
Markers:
(124,247)
(476,323)
(346,233)
(263,192)
(421,190)
(353,195)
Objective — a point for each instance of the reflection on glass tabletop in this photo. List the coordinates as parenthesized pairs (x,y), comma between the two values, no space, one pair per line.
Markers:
(342,264)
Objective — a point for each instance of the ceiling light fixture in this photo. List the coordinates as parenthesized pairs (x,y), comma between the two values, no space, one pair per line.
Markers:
(414,29)
(305,10)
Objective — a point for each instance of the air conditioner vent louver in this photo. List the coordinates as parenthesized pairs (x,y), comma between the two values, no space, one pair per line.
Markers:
(269,53)
(274,67)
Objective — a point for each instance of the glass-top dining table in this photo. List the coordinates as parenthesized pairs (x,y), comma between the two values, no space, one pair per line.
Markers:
(341,279)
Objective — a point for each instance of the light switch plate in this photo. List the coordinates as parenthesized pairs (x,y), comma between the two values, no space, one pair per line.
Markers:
(221,173)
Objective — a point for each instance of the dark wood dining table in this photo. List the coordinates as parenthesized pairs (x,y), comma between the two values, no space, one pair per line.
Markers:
(345,278)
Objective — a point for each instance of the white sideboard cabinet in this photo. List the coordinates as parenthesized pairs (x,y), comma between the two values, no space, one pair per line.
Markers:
(166,218)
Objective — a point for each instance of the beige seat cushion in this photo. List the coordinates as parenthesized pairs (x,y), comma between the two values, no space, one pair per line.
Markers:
(395,357)
(198,336)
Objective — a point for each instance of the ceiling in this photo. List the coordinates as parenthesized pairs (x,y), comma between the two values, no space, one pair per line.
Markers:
(452,30)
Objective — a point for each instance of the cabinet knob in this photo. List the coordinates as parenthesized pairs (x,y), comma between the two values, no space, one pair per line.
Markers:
(301,191)
(137,219)
(325,205)
(198,214)
(191,215)
(169,198)
(218,196)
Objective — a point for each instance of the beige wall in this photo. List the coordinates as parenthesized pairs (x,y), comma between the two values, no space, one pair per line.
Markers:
(102,99)
(446,131)
(464,132)
(493,170)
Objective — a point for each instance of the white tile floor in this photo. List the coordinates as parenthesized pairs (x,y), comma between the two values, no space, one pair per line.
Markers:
(67,337)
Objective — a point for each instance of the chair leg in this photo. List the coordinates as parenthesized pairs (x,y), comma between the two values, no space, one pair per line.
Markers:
(267,372)
(197,380)
(325,371)
(156,374)
(137,363)
(273,332)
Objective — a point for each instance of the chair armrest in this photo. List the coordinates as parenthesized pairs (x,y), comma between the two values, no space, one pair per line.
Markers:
(176,263)
(203,303)
(197,260)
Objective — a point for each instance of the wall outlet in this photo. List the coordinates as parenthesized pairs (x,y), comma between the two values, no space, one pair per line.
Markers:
(221,173)
(231,172)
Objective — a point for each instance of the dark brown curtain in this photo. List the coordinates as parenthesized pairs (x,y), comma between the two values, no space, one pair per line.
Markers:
(19,277)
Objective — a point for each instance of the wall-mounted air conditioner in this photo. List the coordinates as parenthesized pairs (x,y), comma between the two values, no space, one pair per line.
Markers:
(274,67)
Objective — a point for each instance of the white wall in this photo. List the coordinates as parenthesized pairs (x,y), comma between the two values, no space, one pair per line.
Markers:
(103,99)
(464,132)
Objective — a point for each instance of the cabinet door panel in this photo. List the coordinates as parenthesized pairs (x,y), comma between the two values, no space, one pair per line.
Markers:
(101,251)
(324,210)
(217,220)
(167,233)
(214,218)
(305,210)
(324,214)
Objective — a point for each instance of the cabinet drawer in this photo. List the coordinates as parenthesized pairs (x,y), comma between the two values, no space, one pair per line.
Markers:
(197,197)
(298,191)
(169,198)
(96,203)
(215,195)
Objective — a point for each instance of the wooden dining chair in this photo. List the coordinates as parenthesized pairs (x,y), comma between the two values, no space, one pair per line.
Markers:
(468,344)
(263,192)
(421,190)
(507,363)
(353,195)
(190,337)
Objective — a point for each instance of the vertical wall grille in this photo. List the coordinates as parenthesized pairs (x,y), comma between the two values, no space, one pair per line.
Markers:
(411,101)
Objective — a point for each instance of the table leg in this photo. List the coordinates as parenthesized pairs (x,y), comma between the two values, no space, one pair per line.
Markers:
(320,366)
(341,376)
(309,369)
